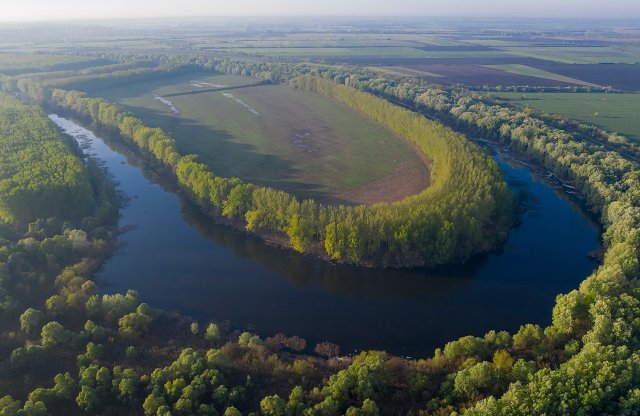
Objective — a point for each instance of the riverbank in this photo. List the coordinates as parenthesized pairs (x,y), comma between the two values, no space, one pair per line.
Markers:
(210,270)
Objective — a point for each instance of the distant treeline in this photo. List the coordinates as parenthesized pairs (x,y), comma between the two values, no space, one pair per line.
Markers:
(466,211)
(94,72)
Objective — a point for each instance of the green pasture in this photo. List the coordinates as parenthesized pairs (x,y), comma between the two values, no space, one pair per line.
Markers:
(268,134)
(613,112)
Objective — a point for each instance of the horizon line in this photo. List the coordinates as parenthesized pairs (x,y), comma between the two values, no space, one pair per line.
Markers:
(318,16)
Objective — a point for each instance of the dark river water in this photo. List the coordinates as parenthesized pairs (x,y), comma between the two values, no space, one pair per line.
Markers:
(178,260)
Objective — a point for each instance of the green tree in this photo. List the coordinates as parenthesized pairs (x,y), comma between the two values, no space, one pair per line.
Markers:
(53,333)
(273,406)
(212,333)
(31,320)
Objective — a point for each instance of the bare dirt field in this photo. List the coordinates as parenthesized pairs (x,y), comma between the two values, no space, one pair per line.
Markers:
(478,75)
(622,76)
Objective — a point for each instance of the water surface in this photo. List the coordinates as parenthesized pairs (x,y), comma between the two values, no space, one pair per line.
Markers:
(179,260)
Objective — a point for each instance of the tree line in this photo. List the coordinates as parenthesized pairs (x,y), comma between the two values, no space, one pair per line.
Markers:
(467,209)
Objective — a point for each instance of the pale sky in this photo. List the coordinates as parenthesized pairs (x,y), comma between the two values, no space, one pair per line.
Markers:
(38,10)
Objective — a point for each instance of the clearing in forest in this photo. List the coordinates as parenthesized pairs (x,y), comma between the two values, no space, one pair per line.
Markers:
(276,136)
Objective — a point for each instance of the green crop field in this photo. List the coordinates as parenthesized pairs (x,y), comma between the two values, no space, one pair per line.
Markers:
(613,112)
(273,135)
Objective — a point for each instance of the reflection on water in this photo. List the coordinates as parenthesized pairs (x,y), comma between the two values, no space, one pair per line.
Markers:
(351,281)
(179,259)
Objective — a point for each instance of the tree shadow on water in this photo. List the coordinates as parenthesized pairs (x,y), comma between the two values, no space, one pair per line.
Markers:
(346,280)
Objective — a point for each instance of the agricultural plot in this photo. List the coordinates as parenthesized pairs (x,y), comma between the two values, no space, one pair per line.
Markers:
(621,76)
(306,40)
(614,112)
(374,52)
(319,52)
(539,73)
(276,136)
(578,55)
(404,71)
(14,63)
(481,75)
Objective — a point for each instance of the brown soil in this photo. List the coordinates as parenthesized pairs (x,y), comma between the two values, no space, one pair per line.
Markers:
(623,76)
(478,75)
(407,179)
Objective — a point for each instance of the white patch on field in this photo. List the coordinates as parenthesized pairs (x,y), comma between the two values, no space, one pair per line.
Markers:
(213,85)
(166,102)
(242,103)
(201,84)
(304,141)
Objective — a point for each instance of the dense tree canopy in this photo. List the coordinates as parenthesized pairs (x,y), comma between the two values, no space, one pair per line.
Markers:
(39,174)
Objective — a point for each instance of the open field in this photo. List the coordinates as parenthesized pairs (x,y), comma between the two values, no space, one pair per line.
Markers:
(379,51)
(276,136)
(578,55)
(480,75)
(622,76)
(12,63)
(613,112)
(539,73)
(403,71)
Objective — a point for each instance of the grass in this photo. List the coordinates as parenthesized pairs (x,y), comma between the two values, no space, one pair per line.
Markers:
(538,73)
(306,144)
(613,112)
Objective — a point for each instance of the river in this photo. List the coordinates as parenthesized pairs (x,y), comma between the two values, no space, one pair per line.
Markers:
(177,259)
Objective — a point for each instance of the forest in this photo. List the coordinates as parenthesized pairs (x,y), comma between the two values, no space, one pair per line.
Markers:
(113,352)
(37,165)
(467,210)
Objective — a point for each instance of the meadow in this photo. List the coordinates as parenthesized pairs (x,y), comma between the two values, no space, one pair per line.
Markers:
(613,112)
(275,136)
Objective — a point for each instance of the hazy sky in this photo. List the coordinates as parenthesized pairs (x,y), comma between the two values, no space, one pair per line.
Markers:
(25,10)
